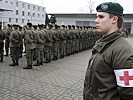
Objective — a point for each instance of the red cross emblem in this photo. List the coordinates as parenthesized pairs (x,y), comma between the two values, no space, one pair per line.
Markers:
(126,78)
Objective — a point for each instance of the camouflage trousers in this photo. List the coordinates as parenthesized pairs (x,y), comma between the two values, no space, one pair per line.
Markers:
(29,56)
(47,52)
(55,49)
(1,50)
(14,53)
(39,54)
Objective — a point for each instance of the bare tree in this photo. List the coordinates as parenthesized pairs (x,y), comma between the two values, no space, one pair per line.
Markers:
(90,6)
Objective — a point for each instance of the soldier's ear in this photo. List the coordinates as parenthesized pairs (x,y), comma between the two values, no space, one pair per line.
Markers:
(114,19)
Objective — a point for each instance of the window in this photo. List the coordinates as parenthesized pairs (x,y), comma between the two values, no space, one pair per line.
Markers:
(43,9)
(16,20)
(22,13)
(34,7)
(22,20)
(23,5)
(28,6)
(10,20)
(28,13)
(33,14)
(16,4)
(11,2)
(38,15)
(42,15)
(38,8)
(16,12)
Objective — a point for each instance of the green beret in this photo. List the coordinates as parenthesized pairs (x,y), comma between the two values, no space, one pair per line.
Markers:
(110,7)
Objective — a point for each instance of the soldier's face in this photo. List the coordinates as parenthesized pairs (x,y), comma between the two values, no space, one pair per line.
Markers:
(103,22)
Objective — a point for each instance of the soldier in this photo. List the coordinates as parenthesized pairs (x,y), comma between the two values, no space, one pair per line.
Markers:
(62,41)
(2,37)
(21,41)
(55,42)
(7,41)
(77,32)
(110,69)
(48,43)
(124,32)
(68,41)
(15,45)
(39,45)
(30,45)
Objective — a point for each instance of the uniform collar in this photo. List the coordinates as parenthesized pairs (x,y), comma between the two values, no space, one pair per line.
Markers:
(100,44)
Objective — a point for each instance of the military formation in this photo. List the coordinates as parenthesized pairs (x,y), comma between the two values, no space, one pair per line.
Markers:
(44,43)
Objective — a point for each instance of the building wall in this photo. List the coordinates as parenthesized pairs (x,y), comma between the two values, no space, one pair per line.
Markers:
(22,12)
(89,20)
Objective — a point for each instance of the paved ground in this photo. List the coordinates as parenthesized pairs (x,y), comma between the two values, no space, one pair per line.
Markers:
(59,80)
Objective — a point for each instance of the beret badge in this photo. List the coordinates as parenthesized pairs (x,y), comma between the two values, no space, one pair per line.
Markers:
(104,7)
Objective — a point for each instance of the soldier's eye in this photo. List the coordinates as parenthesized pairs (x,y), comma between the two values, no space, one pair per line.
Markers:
(100,16)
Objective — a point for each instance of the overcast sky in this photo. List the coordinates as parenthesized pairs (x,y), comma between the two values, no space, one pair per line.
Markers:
(76,6)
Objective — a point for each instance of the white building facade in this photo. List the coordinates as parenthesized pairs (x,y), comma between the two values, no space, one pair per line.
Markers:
(21,13)
(88,20)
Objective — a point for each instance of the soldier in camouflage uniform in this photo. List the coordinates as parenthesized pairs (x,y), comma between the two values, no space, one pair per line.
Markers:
(68,41)
(55,42)
(15,45)
(7,41)
(124,32)
(62,41)
(39,45)
(21,42)
(48,44)
(77,32)
(2,37)
(30,45)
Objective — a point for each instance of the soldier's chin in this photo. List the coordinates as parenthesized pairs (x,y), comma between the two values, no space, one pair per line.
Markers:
(98,30)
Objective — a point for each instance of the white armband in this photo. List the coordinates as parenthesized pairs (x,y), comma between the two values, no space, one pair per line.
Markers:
(124,77)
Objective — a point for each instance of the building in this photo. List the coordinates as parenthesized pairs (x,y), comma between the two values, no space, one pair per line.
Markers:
(19,12)
(82,19)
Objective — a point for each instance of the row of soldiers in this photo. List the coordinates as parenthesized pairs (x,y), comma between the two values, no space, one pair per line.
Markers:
(45,43)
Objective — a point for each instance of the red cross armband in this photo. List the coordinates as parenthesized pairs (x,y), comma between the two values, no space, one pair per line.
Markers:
(124,77)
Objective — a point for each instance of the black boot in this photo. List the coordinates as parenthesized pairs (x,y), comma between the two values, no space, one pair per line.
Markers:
(17,62)
(41,63)
(13,64)
(6,55)
(1,59)
(28,67)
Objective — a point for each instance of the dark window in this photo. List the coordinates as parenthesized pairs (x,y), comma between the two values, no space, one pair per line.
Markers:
(38,15)
(16,12)
(22,20)
(42,15)
(28,13)
(10,20)
(16,4)
(22,13)
(38,8)
(16,20)
(23,5)
(34,7)
(28,6)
